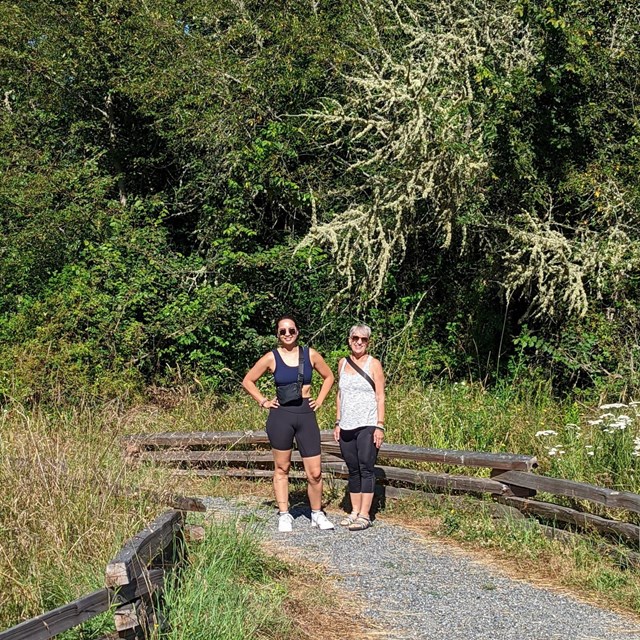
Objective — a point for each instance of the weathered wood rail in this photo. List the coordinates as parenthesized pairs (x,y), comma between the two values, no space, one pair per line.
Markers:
(134,580)
(514,481)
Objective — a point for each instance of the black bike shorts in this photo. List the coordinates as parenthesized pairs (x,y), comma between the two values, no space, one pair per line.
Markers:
(294,421)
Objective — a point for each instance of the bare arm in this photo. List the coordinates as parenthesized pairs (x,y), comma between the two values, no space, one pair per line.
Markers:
(378,378)
(327,376)
(336,431)
(265,364)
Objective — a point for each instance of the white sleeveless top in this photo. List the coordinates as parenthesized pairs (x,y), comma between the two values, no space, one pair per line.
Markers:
(358,406)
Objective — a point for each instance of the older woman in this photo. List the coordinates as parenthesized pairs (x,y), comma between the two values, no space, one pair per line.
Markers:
(360,423)
(292,415)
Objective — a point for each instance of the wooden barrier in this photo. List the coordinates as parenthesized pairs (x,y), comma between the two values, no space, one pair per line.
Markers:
(513,481)
(134,578)
(570,489)
(448,456)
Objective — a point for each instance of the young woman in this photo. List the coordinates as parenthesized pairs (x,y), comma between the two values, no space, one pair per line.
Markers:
(360,423)
(293,416)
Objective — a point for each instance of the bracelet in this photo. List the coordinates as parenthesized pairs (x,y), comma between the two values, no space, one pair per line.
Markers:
(337,423)
(380,426)
(264,402)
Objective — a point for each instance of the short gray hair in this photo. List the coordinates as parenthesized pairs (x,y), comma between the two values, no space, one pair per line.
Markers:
(366,330)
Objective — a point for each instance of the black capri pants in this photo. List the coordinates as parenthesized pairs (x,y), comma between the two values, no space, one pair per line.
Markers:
(360,453)
(294,420)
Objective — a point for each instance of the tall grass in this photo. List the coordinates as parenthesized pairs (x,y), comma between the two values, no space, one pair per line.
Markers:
(64,511)
(64,508)
(229,591)
(570,440)
(600,445)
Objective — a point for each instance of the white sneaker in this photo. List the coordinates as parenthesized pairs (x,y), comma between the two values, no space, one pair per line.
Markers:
(285,522)
(318,519)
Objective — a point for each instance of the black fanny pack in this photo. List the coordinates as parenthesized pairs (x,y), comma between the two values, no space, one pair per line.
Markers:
(288,393)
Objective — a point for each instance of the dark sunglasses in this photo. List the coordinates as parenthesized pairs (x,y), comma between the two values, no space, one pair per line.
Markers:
(360,339)
(291,332)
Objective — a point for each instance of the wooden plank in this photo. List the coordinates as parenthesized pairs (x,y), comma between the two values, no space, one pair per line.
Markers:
(133,615)
(586,521)
(202,438)
(406,452)
(452,457)
(173,500)
(184,503)
(234,473)
(70,615)
(423,478)
(571,489)
(61,619)
(410,476)
(140,550)
(193,457)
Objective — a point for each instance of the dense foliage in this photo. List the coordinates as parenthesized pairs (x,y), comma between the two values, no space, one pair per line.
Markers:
(174,176)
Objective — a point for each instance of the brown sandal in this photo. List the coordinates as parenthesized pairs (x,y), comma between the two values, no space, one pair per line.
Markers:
(360,524)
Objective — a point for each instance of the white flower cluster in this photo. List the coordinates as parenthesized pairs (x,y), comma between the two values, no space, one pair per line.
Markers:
(611,420)
(553,451)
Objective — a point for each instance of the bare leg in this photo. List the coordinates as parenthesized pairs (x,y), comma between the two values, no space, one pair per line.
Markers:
(365,504)
(313,469)
(282,464)
(356,502)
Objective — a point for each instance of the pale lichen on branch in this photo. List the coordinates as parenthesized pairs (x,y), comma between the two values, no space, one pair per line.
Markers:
(411,135)
(412,129)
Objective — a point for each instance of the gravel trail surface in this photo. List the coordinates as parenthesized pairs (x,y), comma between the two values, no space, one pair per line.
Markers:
(413,588)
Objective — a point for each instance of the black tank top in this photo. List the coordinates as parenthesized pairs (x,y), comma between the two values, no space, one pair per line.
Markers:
(284,374)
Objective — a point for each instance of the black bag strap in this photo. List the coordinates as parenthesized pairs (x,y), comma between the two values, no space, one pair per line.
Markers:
(300,366)
(364,374)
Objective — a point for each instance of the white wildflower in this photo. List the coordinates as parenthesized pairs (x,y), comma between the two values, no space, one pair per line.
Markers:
(613,405)
(595,421)
(547,432)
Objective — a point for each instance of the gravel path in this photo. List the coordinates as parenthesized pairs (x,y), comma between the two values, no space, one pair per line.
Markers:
(414,588)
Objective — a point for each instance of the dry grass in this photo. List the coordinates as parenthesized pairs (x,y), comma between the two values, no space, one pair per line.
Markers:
(63,512)
(316,604)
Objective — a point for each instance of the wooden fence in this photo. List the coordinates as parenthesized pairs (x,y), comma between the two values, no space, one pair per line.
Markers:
(134,580)
(135,577)
(514,480)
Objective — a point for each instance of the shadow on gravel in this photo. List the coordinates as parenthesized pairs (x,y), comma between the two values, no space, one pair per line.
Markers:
(300,503)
